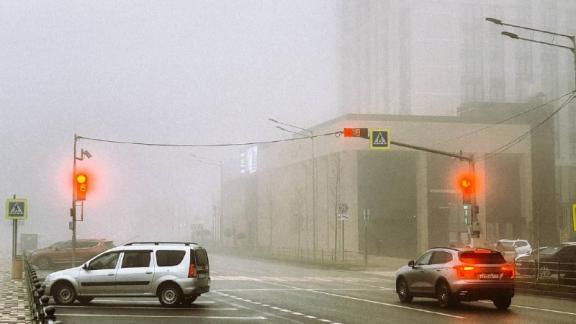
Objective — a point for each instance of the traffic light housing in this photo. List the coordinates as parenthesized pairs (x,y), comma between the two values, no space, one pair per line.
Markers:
(467,185)
(81,186)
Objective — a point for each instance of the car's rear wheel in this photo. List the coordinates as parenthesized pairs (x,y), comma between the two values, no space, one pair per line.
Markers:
(64,293)
(444,295)
(403,291)
(502,303)
(169,295)
(84,299)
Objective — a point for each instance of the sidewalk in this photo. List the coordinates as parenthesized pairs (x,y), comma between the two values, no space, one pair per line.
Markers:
(13,299)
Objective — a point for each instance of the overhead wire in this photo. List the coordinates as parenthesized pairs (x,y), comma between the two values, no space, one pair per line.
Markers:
(530,131)
(335,133)
(475,131)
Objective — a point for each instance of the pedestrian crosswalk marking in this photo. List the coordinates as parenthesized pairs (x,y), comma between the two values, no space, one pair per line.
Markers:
(16,210)
(380,140)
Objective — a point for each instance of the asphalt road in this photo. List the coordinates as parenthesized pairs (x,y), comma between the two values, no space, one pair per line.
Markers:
(262,291)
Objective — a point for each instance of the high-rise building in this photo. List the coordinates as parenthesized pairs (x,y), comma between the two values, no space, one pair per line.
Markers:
(437,57)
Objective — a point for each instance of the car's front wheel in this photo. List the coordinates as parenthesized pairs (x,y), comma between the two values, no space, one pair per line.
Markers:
(403,291)
(169,295)
(502,303)
(64,293)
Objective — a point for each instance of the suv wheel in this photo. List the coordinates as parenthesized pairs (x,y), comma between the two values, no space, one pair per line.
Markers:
(444,296)
(502,303)
(64,293)
(169,295)
(403,291)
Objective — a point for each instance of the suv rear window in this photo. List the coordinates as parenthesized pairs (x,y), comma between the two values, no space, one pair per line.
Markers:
(482,257)
(169,258)
(201,257)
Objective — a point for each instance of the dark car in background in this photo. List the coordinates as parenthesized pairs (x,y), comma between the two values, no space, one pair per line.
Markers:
(552,260)
(59,254)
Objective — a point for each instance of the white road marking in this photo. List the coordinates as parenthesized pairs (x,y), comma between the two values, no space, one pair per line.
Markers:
(126,301)
(537,309)
(389,305)
(166,316)
(145,307)
(310,316)
(325,320)
(373,302)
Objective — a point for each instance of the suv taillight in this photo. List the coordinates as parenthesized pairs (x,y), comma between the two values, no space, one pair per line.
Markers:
(465,271)
(508,271)
(192,271)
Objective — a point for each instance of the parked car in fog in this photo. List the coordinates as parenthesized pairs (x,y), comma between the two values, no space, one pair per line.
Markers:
(60,253)
(175,272)
(511,249)
(551,260)
(452,275)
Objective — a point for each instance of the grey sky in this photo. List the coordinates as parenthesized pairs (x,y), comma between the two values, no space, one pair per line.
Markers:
(153,71)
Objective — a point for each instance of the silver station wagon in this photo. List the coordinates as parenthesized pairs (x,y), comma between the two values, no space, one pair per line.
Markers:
(176,272)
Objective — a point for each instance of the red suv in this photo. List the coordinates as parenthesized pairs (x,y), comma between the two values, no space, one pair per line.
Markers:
(60,253)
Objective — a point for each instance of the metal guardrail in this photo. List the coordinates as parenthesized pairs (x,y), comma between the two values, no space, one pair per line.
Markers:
(557,273)
(42,313)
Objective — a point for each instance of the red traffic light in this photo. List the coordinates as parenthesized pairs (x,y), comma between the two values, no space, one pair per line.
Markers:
(355,132)
(81,186)
(467,183)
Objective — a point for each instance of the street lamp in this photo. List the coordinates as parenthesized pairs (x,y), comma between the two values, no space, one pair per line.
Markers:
(83,153)
(310,134)
(572,38)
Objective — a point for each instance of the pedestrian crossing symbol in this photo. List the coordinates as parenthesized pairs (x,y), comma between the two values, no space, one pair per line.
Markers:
(379,138)
(16,209)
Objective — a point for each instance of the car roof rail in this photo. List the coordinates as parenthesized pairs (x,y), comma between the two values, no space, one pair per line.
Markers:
(158,243)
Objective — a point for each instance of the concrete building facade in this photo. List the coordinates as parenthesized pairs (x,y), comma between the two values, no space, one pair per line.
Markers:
(413,201)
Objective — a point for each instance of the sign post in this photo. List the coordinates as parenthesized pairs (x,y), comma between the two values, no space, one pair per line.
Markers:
(16,209)
(366,213)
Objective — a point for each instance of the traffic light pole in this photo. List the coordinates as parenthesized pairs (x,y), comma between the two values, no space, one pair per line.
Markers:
(73,209)
(470,160)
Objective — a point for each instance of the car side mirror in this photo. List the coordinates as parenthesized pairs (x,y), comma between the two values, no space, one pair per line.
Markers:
(86,266)
(411,263)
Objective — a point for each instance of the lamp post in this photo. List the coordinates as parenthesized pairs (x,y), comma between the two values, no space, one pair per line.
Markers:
(572,49)
(220,166)
(572,38)
(83,153)
(309,134)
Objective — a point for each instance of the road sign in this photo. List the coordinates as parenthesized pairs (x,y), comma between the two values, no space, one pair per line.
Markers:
(16,209)
(379,138)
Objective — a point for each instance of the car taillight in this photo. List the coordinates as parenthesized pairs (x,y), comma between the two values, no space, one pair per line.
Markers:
(465,271)
(192,271)
(508,271)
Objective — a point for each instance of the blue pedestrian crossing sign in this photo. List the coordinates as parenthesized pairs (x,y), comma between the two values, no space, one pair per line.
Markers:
(379,138)
(16,209)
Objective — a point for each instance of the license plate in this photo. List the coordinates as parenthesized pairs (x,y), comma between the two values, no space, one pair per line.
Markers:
(201,275)
(485,276)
